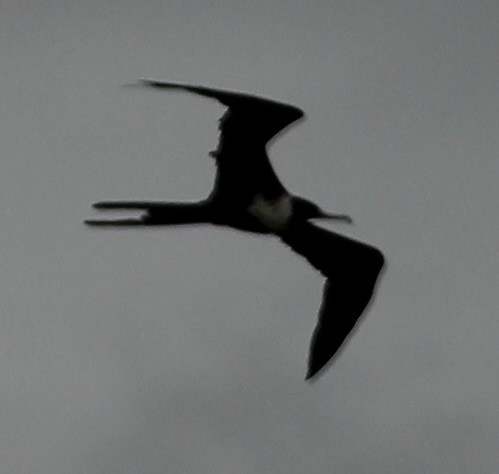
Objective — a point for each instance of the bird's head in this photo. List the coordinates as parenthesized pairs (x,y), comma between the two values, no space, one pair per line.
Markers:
(303,209)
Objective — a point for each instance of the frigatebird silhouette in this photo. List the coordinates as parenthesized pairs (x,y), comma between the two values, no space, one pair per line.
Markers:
(249,196)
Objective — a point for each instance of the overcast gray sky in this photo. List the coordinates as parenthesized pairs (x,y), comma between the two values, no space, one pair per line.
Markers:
(184,350)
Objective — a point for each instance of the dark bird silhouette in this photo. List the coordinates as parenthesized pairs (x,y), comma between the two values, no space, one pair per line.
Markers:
(249,196)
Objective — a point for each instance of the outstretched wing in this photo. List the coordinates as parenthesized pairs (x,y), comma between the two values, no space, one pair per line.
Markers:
(243,167)
(250,118)
(351,269)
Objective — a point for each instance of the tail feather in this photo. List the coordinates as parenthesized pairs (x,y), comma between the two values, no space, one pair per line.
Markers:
(157,213)
(128,205)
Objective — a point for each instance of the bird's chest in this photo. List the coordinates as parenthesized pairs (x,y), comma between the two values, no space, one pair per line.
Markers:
(273,214)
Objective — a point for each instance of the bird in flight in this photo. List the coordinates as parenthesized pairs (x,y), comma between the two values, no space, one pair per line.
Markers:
(248,195)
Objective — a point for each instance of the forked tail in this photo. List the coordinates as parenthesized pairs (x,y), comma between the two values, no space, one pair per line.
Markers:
(156,213)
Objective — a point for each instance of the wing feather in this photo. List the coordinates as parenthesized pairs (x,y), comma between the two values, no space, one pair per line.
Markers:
(254,119)
(351,269)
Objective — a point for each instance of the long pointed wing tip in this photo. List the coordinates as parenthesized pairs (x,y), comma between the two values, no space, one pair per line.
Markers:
(313,374)
(146,81)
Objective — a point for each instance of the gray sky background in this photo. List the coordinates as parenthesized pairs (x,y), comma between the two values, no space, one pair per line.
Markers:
(184,350)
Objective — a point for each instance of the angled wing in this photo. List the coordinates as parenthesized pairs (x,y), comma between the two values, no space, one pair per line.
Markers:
(351,269)
(249,117)
(243,167)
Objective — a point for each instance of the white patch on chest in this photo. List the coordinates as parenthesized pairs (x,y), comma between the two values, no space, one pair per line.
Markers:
(274,214)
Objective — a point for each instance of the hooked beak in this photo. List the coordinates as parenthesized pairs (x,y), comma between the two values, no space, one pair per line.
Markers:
(336,217)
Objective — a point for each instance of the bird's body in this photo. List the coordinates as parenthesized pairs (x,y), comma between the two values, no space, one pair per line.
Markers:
(274,214)
(249,196)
